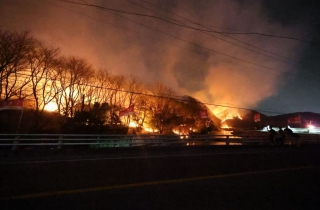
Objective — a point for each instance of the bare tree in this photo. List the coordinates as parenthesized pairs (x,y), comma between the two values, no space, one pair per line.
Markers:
(117,84)
(41,61)
(14,48)
(99,91)
(72,74)
(133,90)
(162,105)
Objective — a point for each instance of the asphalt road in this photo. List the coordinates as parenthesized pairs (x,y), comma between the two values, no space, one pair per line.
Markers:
(234,177)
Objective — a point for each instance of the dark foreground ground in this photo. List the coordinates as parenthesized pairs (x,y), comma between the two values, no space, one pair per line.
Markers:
(234,177)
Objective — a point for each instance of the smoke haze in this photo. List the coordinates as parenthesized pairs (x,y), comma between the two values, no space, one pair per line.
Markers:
(191,62)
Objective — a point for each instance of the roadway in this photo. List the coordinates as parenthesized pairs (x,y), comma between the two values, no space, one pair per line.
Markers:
(216,177)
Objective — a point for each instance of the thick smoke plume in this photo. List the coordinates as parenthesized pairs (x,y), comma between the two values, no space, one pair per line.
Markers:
(192,62)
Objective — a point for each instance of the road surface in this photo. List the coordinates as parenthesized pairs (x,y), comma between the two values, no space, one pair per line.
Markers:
(235,177)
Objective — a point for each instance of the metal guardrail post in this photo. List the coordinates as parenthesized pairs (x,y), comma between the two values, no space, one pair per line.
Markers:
(227,141)
(98,141)
(59,142)
(15,143)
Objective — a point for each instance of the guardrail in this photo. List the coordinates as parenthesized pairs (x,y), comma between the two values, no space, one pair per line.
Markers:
(96,141)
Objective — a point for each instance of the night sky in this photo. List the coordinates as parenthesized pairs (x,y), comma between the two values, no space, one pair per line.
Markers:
(176,43)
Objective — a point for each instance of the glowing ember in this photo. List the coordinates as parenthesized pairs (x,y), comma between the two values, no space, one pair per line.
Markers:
(230,116)
(151,130)
(225,126)
(238,115)
(176,131)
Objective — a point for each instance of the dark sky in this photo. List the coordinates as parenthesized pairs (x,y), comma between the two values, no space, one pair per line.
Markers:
(249,71)
(300,93)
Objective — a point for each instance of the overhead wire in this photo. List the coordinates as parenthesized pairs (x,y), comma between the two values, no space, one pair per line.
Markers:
(224,34)
(163,96)
(215,36)
(171,44)
(186,41)
(240,33)
(190,43)
(291,61)
(183,40)
(183,25)
(188,49)
(199,45)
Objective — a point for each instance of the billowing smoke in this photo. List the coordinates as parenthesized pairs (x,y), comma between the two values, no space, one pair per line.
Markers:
(204,65)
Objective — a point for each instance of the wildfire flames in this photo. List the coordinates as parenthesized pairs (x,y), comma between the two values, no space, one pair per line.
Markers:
(51,107)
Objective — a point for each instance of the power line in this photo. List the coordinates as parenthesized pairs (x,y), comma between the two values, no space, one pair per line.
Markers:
(175,22)
(291,61)
(224,34)
(183,40)
(219,105)
(146,26)
(191,43)
(183,25)
(211,34)
(188,49)
(170,97)
(271,35)
(171,44)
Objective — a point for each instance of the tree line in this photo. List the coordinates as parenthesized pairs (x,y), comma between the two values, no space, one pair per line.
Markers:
(83,95)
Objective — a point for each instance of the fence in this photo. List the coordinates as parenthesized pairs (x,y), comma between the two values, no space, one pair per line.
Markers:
(16,141)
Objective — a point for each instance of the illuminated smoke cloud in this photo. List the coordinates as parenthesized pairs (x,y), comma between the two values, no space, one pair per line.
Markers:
(124,47)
